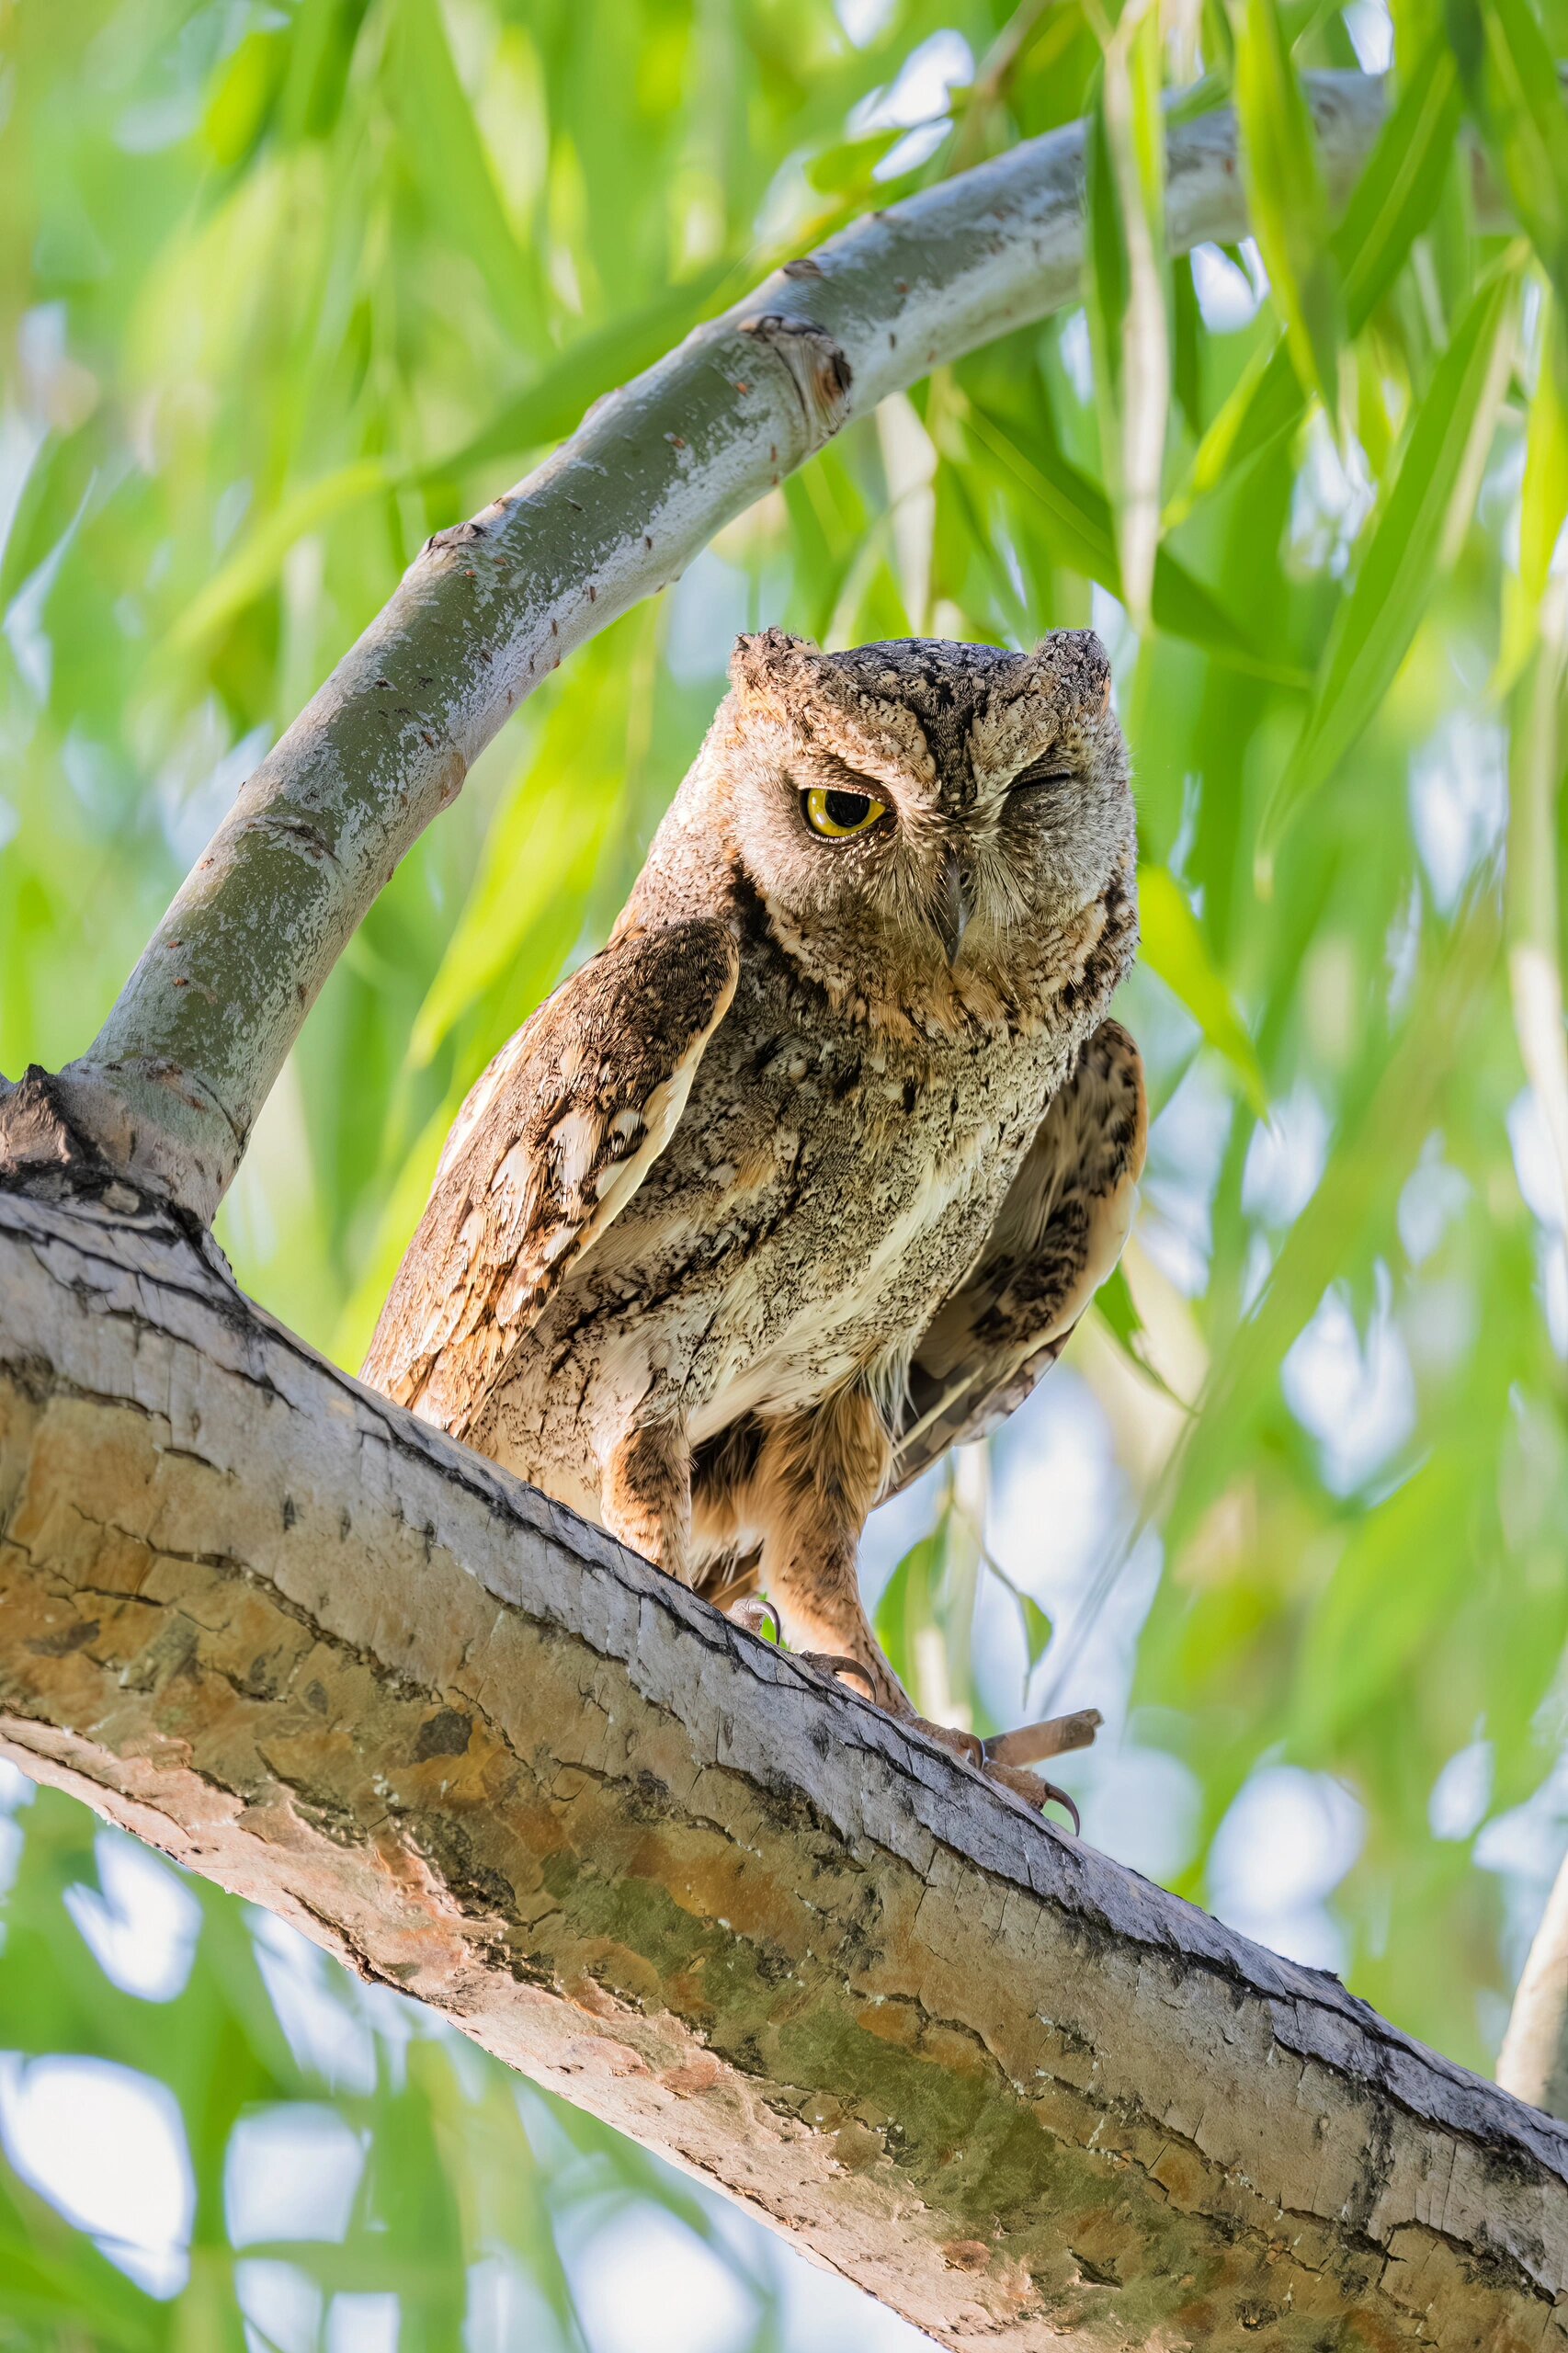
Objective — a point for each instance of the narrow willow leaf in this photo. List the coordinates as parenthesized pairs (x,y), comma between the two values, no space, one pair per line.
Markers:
(256,563)
(1511,80)
(442,146)
(1534,916)
(1376,1617)
(1078,520)
(1373,1154)
(1543,503)
(908,1607)
(1406,546)
(1397,194)
(1133,196)
(1173,946)
(1393,202)
(1289,212)
(1106,272)
(553,404)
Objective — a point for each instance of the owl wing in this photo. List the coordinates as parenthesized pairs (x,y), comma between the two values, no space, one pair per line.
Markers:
(550,1146)
(1057,1235)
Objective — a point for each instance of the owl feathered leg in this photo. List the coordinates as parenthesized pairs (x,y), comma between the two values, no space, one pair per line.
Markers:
(817,1478)
(814,1480)
(646,1494)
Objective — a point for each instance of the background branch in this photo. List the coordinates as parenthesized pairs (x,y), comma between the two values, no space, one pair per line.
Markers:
(171,1086)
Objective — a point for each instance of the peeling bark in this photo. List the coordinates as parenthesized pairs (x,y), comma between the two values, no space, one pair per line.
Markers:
(323,1655)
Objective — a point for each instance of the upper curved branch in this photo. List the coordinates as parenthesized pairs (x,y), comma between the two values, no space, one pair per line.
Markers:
(170,1088)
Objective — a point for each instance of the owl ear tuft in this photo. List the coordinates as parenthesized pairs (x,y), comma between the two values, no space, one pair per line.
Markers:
(1071,665)
(765,657)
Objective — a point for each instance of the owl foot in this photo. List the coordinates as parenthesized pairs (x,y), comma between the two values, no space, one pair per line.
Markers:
(757,1616)
(1004,1759)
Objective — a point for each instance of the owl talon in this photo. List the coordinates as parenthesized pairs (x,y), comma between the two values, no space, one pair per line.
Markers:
(829,1662)
(1051,1795)
(757,1615)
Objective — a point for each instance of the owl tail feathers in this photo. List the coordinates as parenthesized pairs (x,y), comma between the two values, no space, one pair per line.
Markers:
(1032,1744)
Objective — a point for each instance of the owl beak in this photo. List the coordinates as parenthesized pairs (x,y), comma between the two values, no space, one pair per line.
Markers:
(954,905)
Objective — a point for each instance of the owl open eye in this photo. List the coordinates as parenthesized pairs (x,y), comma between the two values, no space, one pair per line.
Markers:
(839,815)
(1041,773)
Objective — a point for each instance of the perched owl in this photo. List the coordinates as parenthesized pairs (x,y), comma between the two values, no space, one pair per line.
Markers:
(810,1174)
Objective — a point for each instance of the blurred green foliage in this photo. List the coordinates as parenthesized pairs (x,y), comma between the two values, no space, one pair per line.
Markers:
(285,286)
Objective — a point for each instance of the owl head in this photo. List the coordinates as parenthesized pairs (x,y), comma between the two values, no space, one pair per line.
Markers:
(920,818)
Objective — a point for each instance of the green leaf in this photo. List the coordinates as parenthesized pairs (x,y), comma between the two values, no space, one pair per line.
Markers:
(555,403)
(256,563)
(1124,252)
(1410,542)
(1389,1598)
(443,147)
(1543,502)
(1511,79)
(908,1607)
(1038,1627)
(1289,212)
(1397,194)
(1077,515)
(1171,945)
(1392,204)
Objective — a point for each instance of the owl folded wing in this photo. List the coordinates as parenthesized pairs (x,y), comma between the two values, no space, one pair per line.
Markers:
(550,1144)
(1057,1235)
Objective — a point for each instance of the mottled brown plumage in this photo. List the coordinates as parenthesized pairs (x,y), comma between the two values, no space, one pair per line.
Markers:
(810,1174)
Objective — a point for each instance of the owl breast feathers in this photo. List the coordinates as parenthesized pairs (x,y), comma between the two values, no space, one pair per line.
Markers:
(810,1174)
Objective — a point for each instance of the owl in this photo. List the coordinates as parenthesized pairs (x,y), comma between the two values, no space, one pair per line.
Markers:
(809,1175)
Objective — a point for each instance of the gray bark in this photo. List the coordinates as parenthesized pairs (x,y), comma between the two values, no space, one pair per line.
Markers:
(333,1661)
(175,1078)
(328,1658)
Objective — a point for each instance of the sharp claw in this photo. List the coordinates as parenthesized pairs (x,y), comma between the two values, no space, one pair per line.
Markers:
(828,1663)
(753,1611)
(1051,1793)
(1032,1744)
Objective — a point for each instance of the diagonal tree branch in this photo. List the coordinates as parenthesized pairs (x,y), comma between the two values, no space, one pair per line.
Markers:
(326,1656)
(173,1082)
(332,1660)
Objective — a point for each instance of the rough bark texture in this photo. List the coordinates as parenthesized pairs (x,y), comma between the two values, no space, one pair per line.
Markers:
(186,1058)
(328,1658)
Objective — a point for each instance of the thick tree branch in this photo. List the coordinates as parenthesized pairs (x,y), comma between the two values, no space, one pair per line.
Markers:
(186,1058)
(327,1657)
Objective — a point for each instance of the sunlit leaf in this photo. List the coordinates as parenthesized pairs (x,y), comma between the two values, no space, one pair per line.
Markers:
(1289,214)
(1408,544)
(1543,499)
(1512,80)
(1171,943)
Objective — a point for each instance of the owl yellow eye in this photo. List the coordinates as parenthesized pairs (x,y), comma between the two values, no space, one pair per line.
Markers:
(837,816)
